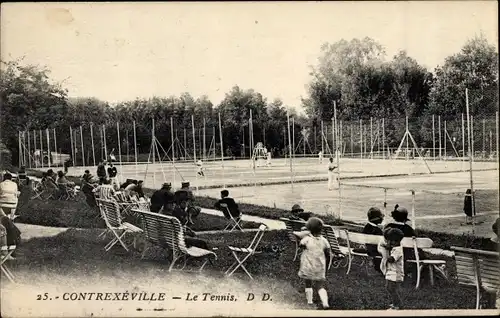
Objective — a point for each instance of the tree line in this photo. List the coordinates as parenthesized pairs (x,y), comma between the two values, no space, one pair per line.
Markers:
(355,75)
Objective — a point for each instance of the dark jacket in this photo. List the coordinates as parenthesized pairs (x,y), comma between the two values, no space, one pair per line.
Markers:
(13,233)
(101,171)
(183,195)
(371,249)
(163,198)
(232,206)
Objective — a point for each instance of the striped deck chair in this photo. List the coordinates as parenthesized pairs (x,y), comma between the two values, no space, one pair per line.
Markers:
(110,212)
(291,227)
(338,252)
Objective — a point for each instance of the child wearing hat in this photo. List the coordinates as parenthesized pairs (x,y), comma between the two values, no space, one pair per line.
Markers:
(313,261)
(392,265)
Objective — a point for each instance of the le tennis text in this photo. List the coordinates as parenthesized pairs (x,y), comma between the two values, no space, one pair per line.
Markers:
(224,297)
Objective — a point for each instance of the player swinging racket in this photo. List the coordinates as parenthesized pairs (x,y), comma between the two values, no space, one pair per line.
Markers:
(332,180)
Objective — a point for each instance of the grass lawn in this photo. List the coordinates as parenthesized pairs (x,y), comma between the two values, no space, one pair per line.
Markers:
(79,253)
(441,240)
(78,214)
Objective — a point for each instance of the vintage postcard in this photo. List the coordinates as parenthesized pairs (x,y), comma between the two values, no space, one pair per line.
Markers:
(199,159)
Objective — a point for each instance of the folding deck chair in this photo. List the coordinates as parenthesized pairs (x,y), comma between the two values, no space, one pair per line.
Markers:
(232,222)
(5,255)
(110,212)
(338,252)
(246,251)
(291,227)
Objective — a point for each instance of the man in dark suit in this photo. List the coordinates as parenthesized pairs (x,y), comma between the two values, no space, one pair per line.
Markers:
(232,206)
(163,199)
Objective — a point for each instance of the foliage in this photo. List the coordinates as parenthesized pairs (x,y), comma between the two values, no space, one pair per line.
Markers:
(354,74)
(475,67)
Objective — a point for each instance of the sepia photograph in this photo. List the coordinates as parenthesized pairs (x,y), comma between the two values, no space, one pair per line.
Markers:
(249,159)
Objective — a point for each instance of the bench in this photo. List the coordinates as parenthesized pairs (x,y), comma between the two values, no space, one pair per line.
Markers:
(479,269)
(167,232)
(415,243)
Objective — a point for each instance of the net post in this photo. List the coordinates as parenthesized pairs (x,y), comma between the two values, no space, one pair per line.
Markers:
(413,221)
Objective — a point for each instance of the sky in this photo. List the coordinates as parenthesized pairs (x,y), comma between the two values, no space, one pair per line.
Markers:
(121,51)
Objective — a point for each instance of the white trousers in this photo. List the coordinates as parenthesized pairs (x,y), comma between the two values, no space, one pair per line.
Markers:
(332,180)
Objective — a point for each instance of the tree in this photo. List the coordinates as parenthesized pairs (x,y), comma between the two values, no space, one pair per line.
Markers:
(235,114)
(335,77)
(30,101)
(475,67)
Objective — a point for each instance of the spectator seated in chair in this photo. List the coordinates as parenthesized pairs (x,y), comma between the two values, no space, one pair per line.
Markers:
(185,194)
(61,179)
(373,227)
(298,214)
(13,233)
(232,206)
(180,212)
(400,219)
(8,195)
(101,172)
(136,186)
(162,200)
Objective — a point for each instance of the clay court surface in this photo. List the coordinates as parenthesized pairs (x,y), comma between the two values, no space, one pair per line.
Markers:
(438,196)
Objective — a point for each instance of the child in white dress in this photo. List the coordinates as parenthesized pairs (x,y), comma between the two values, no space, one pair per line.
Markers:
(392,264)
(314,260)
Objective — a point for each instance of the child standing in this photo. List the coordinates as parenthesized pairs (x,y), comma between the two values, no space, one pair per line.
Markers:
(315,256)
(392,265)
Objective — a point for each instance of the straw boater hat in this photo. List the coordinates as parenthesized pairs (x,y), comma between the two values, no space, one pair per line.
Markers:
(167,185)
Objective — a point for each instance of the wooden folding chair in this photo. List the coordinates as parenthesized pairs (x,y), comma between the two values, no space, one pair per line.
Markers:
(110,212)
(5,254)
(232,222)
(246,251)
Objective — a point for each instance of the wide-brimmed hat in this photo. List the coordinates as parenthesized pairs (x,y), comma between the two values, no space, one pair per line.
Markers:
(297,208)
(185,184)
(167,185)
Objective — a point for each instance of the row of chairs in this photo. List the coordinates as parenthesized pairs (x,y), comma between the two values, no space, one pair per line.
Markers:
(167,232)
(47,190)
